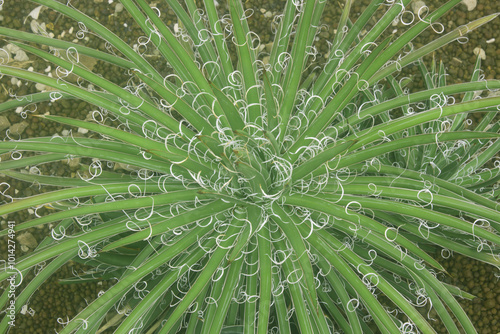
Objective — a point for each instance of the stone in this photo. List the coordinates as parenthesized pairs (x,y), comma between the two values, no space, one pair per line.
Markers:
(83,130)
(13,52)
(21,56)
(18,128)
(471,4)
(416,5)
(490,303)
(4,123)
(27,240)
(40,87)
(118,8)
(73,162)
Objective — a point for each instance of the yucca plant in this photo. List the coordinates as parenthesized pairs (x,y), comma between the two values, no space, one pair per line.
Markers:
(262,194)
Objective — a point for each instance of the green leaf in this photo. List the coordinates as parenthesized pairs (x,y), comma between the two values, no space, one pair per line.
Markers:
(216,259)
(171,223)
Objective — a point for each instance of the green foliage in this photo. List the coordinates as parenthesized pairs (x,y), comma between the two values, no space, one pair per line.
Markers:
(260,198)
